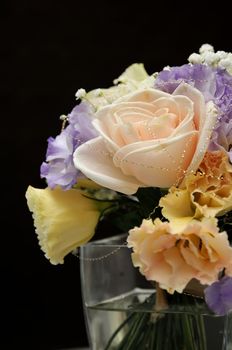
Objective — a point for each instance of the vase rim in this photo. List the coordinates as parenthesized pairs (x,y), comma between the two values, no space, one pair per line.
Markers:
(114,241)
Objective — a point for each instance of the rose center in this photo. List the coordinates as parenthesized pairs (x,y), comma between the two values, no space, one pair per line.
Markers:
(136,128)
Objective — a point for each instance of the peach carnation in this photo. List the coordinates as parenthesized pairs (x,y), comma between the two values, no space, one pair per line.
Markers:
(172,257)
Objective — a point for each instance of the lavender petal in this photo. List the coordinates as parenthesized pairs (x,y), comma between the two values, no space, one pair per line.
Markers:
(218,296)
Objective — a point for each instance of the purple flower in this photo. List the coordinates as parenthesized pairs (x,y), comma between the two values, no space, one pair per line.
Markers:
(59,169)
(80,120)
(218,296)
(222,137)
(215,84)
(200,76)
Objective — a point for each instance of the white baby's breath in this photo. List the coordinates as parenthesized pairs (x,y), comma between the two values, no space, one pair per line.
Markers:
(63,117)
(221,55)
(208,56)
(167,68)
(206,48)
(226,63)
(195,58)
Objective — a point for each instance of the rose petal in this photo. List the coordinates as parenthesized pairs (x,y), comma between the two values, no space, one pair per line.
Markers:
(148,95)
(153,163)
(198,100)
(95,161)
(204,140)
(110,121)
(164,102)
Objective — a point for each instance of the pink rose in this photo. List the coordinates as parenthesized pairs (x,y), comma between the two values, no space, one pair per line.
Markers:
(148,138)
(172,257)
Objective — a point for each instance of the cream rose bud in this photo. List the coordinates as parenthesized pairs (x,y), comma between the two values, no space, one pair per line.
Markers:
(134,77)
(148,138)
(63,220)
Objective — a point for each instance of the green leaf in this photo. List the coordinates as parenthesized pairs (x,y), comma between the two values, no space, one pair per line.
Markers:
(149,199)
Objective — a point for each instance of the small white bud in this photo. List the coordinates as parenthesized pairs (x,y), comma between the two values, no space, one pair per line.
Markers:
(221,54)
(210,58)
(195,58)
(80,93)
(63,117)
(167,68)
(206,48)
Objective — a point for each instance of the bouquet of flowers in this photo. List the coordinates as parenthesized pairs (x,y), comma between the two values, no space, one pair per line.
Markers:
(151,154)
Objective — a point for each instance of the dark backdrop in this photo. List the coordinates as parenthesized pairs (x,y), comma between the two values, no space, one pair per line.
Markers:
(49,49)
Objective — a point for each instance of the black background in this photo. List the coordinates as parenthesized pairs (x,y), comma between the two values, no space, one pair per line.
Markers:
(49,49)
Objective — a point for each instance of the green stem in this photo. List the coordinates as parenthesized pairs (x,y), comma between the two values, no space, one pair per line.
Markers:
(175,337)
(201,331)
(188,332)
(145,339)
(136,333)
(169,326)
(153,336)
(124,323)
(161,331)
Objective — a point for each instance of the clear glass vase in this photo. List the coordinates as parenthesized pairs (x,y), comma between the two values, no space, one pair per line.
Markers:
(123,311)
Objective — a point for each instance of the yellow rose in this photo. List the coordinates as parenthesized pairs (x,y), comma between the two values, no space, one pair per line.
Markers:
(207,193)
(174,256)
(63,220)
(148,138)
(135,77)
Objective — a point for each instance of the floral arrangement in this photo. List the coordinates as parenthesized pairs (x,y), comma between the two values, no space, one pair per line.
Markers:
(153,155)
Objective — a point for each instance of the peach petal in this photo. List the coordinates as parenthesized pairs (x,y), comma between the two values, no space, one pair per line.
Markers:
(181,272)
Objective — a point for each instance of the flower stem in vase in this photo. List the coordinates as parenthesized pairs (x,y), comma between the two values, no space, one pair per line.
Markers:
(160,325)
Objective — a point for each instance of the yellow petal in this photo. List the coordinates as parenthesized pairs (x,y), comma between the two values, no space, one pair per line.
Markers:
(177,204)
(133,78)
(134,72)
(63,220)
